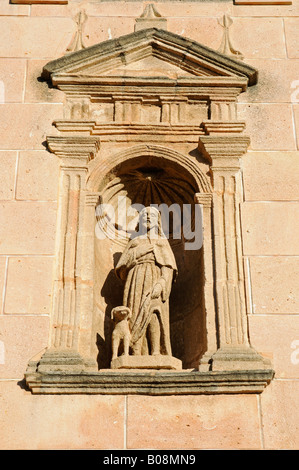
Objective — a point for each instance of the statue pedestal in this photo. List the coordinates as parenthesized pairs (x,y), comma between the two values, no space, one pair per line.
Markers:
(146,362)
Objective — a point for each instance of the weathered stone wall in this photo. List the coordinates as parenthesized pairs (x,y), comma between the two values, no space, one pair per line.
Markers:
(31,36)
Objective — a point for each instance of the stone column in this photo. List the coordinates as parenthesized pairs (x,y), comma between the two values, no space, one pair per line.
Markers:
(68,290)
(205,202)
(87,272)
(234,350)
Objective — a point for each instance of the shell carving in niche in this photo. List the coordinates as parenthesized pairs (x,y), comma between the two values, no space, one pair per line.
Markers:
(150,184)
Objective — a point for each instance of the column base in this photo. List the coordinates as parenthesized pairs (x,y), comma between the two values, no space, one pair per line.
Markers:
(62,360)
(245,358)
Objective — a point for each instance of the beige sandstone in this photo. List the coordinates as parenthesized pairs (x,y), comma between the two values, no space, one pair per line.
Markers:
(13,10)
(22,336)
(291,31)
(37,90)
(280,415)
(19,237)
(265,175)
(8,161)
(266,10)
(278,219)
(30,185)
(12,75)
(25,119)
(3,272)
(26,277)
(269,125)
(53,36)
(267,40)
(273,283)
(277,81)
(80,422)
(226,422)
(296,121)
(283,349)
(109,28)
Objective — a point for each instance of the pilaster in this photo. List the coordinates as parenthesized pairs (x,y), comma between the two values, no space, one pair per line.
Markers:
(234,351)
(72,272)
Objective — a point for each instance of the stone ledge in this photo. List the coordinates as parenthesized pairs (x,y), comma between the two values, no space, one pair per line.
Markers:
(109,382)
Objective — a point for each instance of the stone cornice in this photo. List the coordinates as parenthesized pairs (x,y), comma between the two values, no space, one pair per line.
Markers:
(148,383)
(218,86)
(184,53)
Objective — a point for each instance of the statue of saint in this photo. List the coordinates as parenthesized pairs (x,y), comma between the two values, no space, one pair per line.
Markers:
(148,269)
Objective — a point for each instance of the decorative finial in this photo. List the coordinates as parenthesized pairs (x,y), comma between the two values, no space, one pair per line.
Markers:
(150,18)
(226,46)
(77,43)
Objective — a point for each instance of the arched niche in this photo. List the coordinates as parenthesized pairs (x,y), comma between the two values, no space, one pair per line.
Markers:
(143,176)
(108,107)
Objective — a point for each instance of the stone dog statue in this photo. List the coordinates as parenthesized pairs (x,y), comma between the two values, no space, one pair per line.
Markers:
(121,333)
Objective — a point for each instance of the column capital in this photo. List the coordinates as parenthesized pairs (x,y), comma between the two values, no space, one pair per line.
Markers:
(91,198)
(74,151)
(223,152)
(205,199)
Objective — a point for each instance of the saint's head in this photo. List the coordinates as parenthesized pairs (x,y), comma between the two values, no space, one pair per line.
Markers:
(149,223)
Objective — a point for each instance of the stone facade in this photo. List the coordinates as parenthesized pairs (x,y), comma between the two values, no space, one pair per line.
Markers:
(240,145)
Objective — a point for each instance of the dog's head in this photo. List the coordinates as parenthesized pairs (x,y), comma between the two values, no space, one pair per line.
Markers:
(120,313)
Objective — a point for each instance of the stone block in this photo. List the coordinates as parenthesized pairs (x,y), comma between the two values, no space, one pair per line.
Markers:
(292,37)
(266,10)
(204,30)
(31,123)
(7,174)
(277,82)
(8,9)
(67,10)
(36,37)
(258,37)
(97,30)
(27,227)
(296,120)
(80,422)
(193,9)
(270,126)
(102,9)
(279,407)
(37,89)
(29,285)
(37,178)
(22,337)
(2,281)
(277,338)
(274,283)
(12,76)
(265,175)
(202,422)
(207,31)
(270,228)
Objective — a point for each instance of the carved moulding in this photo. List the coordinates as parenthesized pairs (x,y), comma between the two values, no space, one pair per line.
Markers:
(158,107)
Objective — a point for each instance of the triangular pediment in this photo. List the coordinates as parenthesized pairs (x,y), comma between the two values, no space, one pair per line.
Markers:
(149,52)
(150,64)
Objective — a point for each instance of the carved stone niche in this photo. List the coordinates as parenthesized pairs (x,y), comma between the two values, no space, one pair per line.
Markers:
(150,118)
